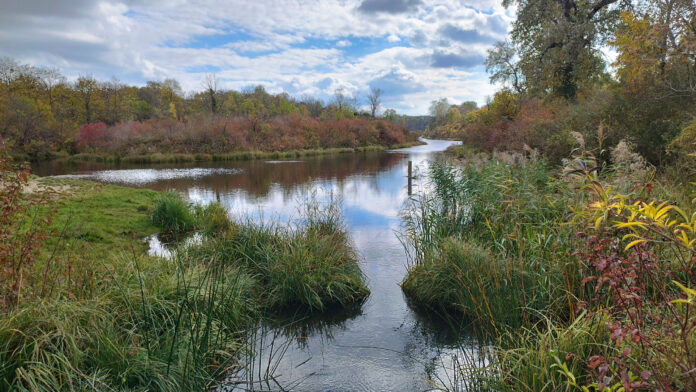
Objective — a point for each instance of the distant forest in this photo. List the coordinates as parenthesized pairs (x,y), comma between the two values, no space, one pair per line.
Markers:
(43,115)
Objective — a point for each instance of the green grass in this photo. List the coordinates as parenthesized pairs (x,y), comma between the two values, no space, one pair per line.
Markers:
(312,266)
(173,214)
(102,216)
(111,317)
(534,358)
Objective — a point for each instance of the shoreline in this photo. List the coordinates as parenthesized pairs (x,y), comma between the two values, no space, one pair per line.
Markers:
(221,157)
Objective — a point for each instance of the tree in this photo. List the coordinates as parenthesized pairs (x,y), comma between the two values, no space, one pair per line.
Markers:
(467,106)
(502,65)
(87,87)
(390,115)
(212,91)
(49,78)
(438,109)
(558,42)
(340,99)
(657,48)
(374,98)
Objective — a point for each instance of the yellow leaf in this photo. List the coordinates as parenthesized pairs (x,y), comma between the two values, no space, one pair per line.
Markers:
(630,225)
(633,243)
(598,223)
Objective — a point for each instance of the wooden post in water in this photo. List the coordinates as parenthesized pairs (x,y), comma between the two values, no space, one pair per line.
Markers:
(410,178)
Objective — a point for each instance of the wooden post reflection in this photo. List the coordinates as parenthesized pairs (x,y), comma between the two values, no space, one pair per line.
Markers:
(410,178)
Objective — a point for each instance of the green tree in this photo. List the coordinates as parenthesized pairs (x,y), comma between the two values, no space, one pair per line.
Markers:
(87,89)
(558,42)
(439,109)
(502,65)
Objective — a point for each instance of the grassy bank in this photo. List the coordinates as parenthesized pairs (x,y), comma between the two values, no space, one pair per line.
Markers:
(96,312)
(232,156)
(582,277)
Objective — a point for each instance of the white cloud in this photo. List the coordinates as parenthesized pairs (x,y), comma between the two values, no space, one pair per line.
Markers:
(431,48)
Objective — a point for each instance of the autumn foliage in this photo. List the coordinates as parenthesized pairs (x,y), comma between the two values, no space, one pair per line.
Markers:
(220,134)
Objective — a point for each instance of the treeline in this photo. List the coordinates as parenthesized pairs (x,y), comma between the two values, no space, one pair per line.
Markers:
(561,94)
(42,114)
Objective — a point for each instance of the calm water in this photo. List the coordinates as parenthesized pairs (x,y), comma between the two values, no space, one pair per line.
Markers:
(383,345)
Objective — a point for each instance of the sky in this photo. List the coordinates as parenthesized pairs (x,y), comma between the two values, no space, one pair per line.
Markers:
(415,51)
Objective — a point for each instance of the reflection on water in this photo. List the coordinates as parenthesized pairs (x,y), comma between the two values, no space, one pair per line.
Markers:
(381,345)
(162,246)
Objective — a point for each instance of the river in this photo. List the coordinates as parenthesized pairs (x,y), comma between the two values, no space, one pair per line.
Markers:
(382,345)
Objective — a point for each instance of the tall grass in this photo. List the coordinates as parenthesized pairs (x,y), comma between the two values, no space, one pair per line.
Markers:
(161,326)
(179,324)
(489,242)
(312,265)
(172,214)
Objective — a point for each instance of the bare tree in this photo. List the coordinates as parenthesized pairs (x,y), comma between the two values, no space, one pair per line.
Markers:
(211,88)
(340,98)
(374,98)
(50,78)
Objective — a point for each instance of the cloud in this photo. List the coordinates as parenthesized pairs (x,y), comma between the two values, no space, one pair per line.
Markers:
(462,60)
(415,50)
(397,82)
(388,6)
(464,35)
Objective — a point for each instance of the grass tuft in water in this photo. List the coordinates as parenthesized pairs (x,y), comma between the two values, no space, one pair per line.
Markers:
(172,214)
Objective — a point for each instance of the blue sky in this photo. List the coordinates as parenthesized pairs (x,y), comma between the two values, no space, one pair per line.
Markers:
(414,50)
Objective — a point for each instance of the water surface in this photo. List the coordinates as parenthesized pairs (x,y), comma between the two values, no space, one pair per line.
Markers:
(382,345)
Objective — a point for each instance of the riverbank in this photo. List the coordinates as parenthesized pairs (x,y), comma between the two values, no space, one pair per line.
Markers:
(578,275)
(232,156)
(94,310)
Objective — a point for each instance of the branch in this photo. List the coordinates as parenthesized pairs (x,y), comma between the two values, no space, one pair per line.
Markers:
(599,7)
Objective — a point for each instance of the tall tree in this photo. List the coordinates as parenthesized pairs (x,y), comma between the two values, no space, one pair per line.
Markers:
(87,88)
(439,109)
(375,100)
(559,41)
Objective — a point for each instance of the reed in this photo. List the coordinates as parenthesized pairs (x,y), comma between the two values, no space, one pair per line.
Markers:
(488,241)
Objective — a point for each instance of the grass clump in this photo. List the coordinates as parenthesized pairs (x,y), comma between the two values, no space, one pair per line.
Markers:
(172,214)
(466,278)
(312,266)
(148,329)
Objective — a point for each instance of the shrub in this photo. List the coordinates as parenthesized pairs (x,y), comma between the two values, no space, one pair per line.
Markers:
(641,253)
(25,224)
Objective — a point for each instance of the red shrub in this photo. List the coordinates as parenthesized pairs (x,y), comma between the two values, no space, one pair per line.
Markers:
(91,136)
